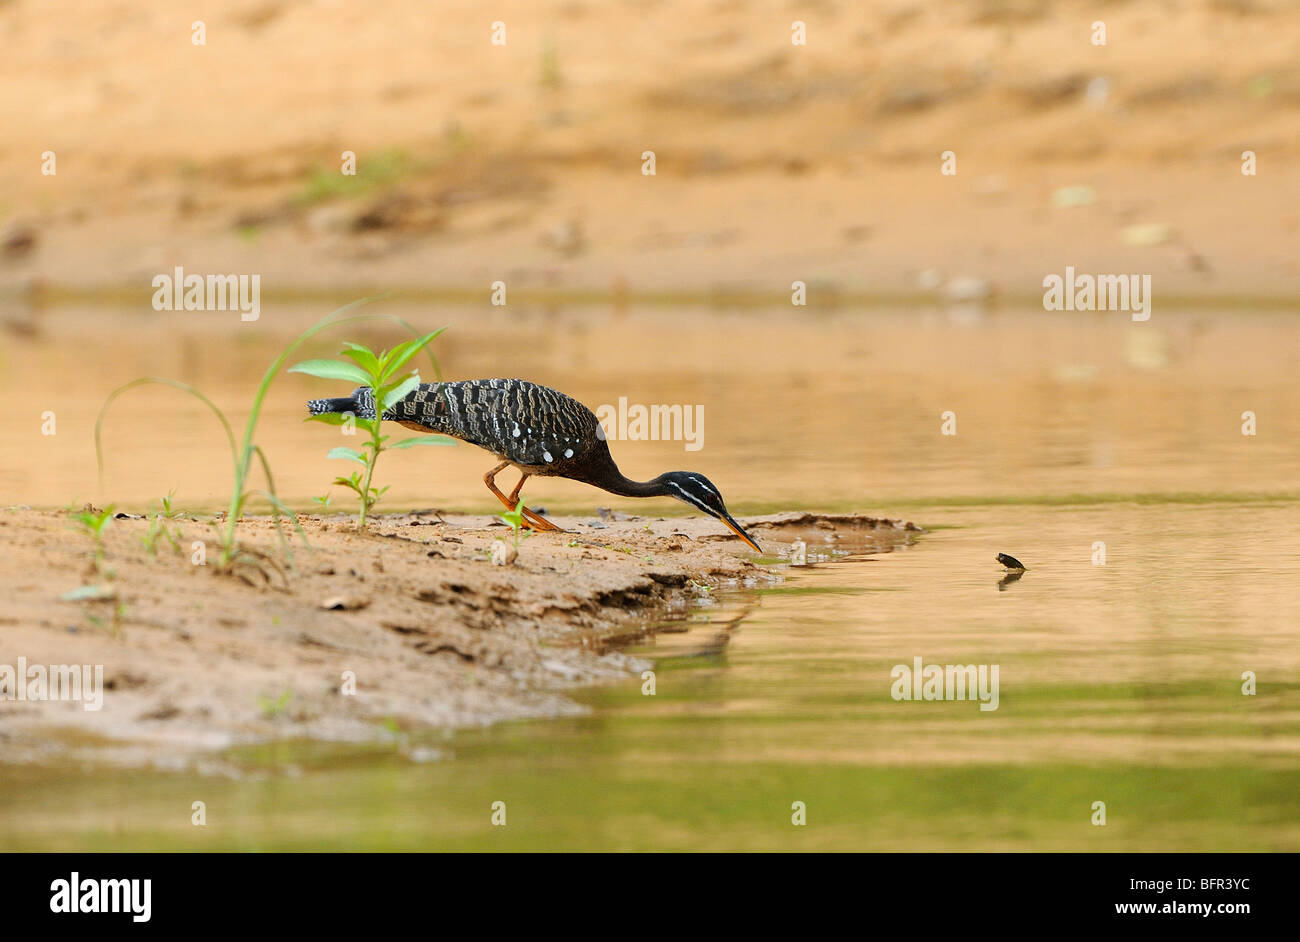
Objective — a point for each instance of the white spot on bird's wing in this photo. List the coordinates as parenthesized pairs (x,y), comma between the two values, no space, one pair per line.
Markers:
(546,455)
(516,431)
(568,452)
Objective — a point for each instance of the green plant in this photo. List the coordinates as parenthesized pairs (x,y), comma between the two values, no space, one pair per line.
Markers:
(93,523)
(515,520)
(273,708)
(158,527)
(367,496)
(550,71)
(113,625)
(374,172)
(384,374)
(166,503)
(243,453)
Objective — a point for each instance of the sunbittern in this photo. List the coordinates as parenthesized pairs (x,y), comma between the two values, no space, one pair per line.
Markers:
(540,431)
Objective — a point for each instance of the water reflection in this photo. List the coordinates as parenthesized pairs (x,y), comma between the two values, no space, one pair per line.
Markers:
(1119,681)
(1010,578)
(838,412)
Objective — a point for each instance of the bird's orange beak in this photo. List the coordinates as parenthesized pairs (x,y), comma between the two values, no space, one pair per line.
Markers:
(736,529)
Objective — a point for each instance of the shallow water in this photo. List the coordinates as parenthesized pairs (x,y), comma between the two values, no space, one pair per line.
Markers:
(839,410)
(1118,683)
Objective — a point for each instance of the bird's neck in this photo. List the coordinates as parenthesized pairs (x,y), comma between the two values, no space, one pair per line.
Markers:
(618,483)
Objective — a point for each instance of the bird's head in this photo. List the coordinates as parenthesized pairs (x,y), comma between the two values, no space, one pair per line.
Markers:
(699,492)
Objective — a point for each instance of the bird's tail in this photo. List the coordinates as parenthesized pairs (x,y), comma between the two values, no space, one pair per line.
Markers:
(322,406)
(361,404)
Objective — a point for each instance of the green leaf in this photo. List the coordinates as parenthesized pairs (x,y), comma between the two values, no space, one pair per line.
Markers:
(402,354)
(88,593)
(333,369)
(341,452)
(392,354)
(399,392)
(364,357)
(423,440)
(331,418)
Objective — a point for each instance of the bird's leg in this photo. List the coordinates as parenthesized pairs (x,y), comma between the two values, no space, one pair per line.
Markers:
(514,495)
(541,522)
(490,480)
(531,520)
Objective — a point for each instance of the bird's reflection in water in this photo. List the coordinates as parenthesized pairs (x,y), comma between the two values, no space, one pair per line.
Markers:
(1010,577)
(698,634)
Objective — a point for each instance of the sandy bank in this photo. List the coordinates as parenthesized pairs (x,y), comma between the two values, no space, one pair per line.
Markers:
(435,634)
